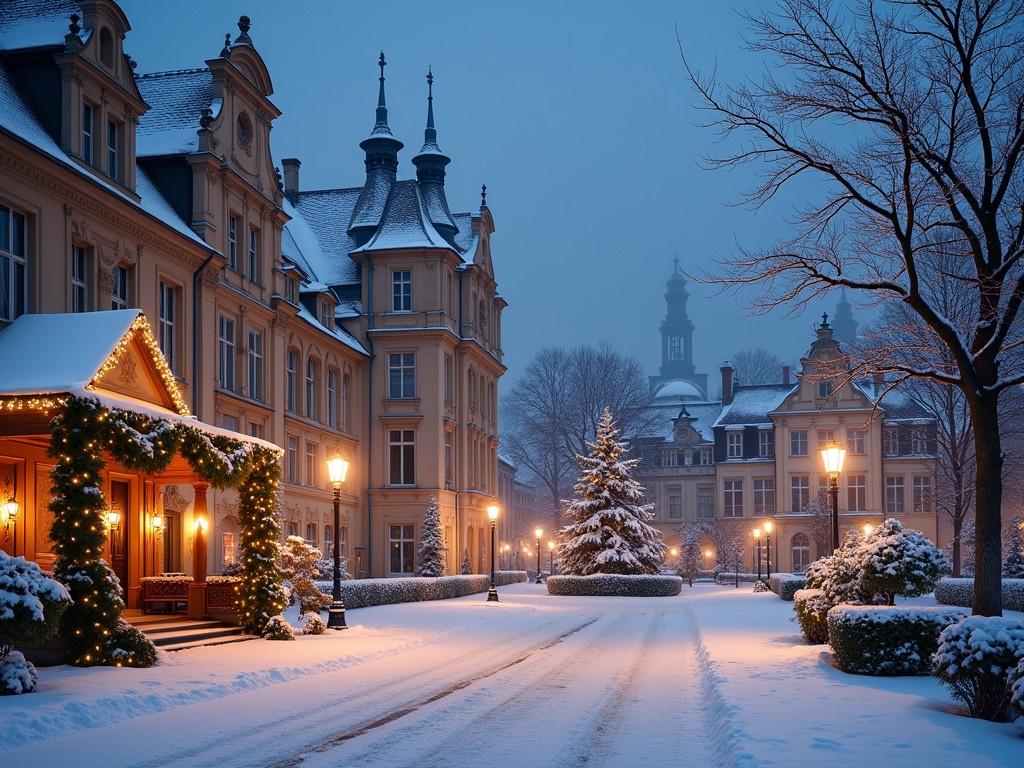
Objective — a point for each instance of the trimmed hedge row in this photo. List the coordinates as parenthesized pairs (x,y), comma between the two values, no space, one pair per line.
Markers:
(607,584)
(811,607)
(785,585)
(961,592)
(362,593)
(887,639)
(730,578)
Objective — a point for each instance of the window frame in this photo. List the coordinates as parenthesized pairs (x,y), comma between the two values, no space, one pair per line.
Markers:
(88,130)
(291,375)
(402,457)
(799,493)
(168,294)
(332,397)
(732,497)
(233,224)
(115,150)
(120,280)
(254,269)
(401,290)
(734,444)
(80,283)
(404,545)
(856,493)
(764,496)
(227,336)
(292,459)
(312,388)
(13,265)
(254,364)
(797,440)
(895,496)
(402,372)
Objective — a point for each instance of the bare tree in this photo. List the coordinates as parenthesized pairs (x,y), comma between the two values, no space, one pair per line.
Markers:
(757,366)
(911,114)
(727,537)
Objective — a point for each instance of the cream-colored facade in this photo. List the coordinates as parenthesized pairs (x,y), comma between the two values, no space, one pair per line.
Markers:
(160,192)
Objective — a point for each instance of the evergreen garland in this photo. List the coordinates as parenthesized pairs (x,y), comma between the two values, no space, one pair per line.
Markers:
(81,432)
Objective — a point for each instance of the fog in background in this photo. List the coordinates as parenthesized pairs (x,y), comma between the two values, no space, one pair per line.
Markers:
(578,118)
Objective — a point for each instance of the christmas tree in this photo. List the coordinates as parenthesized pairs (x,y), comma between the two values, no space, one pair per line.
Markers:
(609,531)
(431,543)
(689,551)
(1013,565)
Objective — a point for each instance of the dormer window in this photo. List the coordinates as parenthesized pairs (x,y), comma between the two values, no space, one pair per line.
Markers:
(824,389)
(107,48)
(289,289)
(325,314)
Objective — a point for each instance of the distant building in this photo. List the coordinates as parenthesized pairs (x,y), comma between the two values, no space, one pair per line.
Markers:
(844,326)
(677,376)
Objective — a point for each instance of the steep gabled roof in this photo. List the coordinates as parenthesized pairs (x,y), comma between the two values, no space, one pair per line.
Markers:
(405,223)
(316,236)
(176,101)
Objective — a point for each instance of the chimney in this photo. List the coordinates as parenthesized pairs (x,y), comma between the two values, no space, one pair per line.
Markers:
(291,177)
(726,382)
(785,375)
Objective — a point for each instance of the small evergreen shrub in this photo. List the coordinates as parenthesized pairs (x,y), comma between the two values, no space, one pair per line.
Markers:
(895,561)
(961,592)
(31,604)
(17,675)
(312,624)
(1016,683)
(760,586)
(127,646)
(975,658)
(786,585)
(432,547)
(617,585)
(887,640)
(278,628)
(811,607)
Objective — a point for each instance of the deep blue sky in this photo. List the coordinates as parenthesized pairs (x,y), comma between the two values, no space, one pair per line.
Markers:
(576,115)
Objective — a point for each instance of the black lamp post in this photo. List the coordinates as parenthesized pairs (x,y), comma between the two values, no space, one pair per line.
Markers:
(757,538)
(551,557)
(538,532)
(337,470)
(833,456)
(492,591)
(768,547)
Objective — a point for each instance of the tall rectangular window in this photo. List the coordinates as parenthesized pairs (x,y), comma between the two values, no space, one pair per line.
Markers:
(233,242)
(918,441)
(346,401)
(891,441)
(226,353)
(332,397)
(894,501)
(119,291)
(856,493)
(79,279)
(798,443)
(13,264)
(228,547)
(800,492)
(291,472)
(402,455)
(87,129)
(254,360)
(826,437)
(114,150)
(765,444)
(923,495)
(312,464)
(401,375)
(312,389)
(291,383)
(311,537)
(733,498)
(855,442)
(675,503)
(449,379)
(253,264)
(734,445)
(401,291)
(448,460)
(402,549)
(705,503)
(825,389)
(764,496)
(168,320)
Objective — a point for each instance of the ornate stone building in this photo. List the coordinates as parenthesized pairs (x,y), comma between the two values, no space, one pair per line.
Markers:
(363,320)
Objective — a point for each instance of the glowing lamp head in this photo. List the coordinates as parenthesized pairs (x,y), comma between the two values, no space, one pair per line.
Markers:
(493,510)
(868,529)
(158,523)
(337,470)
(113,519)
(768,525)
(551,545)
(201,525)
(674,552)
(757,533)
(708,553)
(9,511)
(833,456)
(538,532)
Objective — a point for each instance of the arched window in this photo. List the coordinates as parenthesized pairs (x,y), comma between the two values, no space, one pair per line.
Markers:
(801,547)
(107,48)
(311,388)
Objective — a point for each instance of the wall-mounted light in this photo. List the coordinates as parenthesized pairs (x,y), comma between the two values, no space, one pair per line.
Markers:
(158,523)
(9,512)
(113,519)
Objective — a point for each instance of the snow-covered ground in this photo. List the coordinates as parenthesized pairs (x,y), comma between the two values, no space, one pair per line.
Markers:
(716,676)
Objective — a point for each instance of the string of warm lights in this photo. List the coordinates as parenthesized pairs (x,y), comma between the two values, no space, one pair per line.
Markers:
(34,403)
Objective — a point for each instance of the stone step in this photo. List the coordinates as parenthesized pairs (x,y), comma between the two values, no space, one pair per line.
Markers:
(175,633)
(239,638)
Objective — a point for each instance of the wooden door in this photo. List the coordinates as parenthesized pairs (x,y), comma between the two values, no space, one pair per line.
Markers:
(120,495)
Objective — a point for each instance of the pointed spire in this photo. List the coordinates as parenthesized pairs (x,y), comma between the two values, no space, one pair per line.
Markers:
(381,126)
(483,196)
(430,134)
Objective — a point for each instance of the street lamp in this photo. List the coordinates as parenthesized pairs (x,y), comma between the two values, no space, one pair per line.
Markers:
(551,557)
(757,538)
(707,554)
(538,532)
(337,471)
(768,525)
(833,456)
(492,515)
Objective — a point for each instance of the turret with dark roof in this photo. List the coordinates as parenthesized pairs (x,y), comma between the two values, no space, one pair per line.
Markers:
(430,170)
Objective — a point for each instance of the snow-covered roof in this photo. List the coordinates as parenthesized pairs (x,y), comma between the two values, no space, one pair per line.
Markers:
(751,404)
(465,238)
(18,120)
(35,23)
(405,223)
(678,391)
(662,420)
(316,236)
(337,332)
(896,402)
(176,100)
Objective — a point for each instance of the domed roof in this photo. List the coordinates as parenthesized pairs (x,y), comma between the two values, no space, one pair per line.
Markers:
(678,390)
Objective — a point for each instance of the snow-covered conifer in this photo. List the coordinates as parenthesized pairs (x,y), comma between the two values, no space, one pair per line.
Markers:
(689,551)
(431,543)
(896,561)
(299,566)
(608,532)
(1013,565)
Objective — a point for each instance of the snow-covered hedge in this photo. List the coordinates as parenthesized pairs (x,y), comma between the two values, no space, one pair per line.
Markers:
(1016,681)
(785,585)
(976,657)
(617,585)
(361,593)
(961,592)
(17,675)
(811,607)
(886,639)
(730,578)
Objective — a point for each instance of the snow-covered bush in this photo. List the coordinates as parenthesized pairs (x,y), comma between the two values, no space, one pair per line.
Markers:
(312,624)
(619,585)
(127,646)
(760,586)
(811,607)
(278,628)
(895,561)
(1016,683)
(728,578)
(609,530)
(299,566)
(839,575)
(17,675)
(961,592)
(1013,565)
(431,554)
(975,658)
(31,603)
(887,640)
(324,568)
(361,593)
(785,585)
